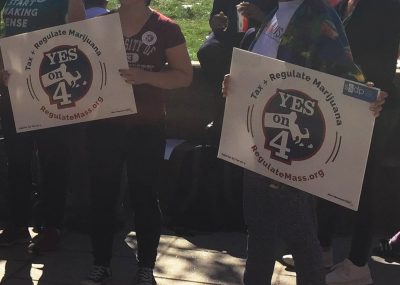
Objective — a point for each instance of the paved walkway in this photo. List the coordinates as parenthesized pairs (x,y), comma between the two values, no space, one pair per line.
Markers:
(201,259)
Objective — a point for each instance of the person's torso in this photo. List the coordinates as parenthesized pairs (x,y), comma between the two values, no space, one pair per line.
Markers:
(315,38)
(147,51)
(22,16)
(271,36)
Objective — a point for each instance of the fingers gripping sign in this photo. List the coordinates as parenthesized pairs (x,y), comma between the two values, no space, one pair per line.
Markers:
(4,77)
(377,106)
(134,76)
(225,85)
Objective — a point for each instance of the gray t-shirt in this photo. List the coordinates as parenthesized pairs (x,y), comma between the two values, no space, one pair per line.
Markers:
(22,16)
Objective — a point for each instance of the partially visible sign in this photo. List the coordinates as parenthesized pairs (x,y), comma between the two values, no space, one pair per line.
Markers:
(68,74)
(304,128)
(360,91)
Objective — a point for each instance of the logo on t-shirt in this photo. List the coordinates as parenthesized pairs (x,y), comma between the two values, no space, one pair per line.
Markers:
(293,126)
(65,75)
(275,31)
(149,38)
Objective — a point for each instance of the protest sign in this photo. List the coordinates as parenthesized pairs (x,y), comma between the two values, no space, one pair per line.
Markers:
(301,127)
(67,74)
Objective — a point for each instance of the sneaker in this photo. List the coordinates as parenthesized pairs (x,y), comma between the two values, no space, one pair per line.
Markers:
(99,275)
(386,249)
(12,235)
(145,276)
(346,273)
(327,258)
(47,240)
(288,260)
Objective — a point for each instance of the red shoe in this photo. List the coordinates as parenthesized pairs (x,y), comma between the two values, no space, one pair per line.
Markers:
(47,240)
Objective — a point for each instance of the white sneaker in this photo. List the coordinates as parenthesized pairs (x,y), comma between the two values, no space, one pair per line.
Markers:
(346,273)
(327,259)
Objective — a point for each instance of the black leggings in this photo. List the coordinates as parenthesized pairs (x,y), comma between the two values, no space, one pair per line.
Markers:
(362,235)
(142,148)
(365,217)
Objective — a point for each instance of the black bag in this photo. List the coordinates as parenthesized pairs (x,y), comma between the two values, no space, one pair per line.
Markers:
(205,193)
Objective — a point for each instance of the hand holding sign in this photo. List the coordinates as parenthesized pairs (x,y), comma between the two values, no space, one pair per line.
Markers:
(63,75)
(4,77)
(296,126)
(134,76)
(377,106)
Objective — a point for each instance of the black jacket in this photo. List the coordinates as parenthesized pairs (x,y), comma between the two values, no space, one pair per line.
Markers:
(373,31)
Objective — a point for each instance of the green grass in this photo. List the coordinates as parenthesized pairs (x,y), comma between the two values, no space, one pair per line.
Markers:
(193,21)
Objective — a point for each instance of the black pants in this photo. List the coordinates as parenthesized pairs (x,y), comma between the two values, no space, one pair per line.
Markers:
(279,214)
(362,235)
(142,148)
(365,217)
(52,145)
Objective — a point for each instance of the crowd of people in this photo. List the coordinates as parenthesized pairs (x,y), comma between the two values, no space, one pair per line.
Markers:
(361,45)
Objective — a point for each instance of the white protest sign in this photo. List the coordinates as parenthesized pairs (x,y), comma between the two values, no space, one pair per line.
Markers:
(68,74)
(304,128)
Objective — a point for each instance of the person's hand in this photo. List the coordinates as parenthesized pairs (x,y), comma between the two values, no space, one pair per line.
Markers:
(225,85)
(4,77)
(251,11)
(219,22)
(377,106)
(134,76)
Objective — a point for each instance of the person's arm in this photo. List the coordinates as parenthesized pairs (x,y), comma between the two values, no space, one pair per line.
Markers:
(178,74)
(218,20)
(76,11)
(219,6)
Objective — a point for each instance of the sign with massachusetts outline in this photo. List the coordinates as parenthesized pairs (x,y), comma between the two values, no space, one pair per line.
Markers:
(301,127)
(68,74)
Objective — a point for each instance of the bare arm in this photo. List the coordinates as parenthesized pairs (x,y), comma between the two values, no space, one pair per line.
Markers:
(76,11)
(178,74)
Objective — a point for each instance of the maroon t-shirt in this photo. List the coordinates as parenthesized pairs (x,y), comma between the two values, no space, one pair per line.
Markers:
(147,50)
